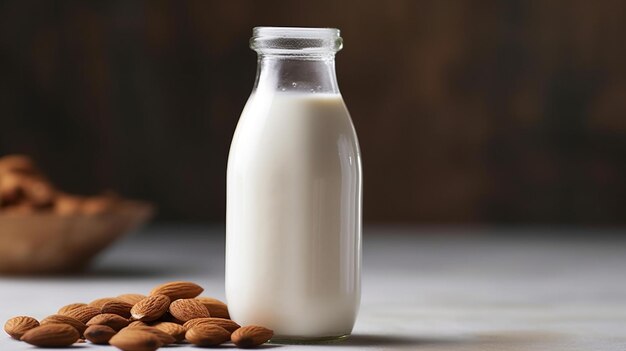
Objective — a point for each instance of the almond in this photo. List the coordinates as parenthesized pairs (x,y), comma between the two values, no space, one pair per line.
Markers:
(131,298)
(177,331)
(164,337)
(38,192)
(70,307)
(216,307)
(99,334)
(251,336)
(98,204)
(66,205)
(135,340)
(98,303)
(222,322)
(186,309)
(11,189)
(83,313)
(119,307)
(109,319)
(18,164)
(51,335)
(17,326)
(207,335)
(150,308)
(178,290)
(61,319)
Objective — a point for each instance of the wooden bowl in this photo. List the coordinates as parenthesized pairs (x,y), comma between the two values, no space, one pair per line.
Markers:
(41,243)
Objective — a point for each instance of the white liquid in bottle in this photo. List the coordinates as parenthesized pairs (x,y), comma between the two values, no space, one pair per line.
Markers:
(294,216)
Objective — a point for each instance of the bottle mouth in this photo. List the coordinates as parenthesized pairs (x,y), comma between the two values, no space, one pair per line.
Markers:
(297,41)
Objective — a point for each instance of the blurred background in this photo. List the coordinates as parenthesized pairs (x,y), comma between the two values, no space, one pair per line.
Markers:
(468,112)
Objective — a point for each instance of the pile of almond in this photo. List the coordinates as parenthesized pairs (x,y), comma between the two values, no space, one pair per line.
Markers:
(172,313)
(25,189)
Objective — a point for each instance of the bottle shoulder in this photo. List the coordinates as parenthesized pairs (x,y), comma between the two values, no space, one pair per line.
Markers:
(289,129)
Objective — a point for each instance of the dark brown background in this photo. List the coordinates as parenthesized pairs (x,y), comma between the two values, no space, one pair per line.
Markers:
(467,111)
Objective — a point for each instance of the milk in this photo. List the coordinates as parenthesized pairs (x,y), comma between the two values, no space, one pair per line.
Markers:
(294,216)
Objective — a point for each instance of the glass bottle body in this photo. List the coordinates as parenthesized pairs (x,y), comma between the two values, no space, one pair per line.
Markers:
(293,247)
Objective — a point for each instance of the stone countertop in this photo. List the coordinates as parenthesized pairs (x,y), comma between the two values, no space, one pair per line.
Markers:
(423,288)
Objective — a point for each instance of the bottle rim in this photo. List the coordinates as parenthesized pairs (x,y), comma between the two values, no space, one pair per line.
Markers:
(296,32)
(296,40)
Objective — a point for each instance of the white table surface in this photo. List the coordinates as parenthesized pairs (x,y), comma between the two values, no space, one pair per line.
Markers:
(423,289)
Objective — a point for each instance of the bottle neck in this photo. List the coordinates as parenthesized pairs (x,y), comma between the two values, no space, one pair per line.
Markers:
(302,74)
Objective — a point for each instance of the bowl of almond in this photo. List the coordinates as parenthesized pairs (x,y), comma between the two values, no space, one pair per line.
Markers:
(45,230)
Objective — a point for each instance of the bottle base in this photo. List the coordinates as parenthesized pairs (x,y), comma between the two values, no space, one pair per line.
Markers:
(289,340)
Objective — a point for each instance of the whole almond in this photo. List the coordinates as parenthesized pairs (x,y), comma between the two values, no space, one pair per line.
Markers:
(186,309)
(175,330)
(83,313)
(135,340)
(17,326)
(164,337)
(61,319)
(178,290)
(98,303)
(131,298)
(221,322)
(119,307)
(70,307)
(51,335)
(216,307)
(251,336)
(207,335)
(99,334)
(150,308)
(109,319)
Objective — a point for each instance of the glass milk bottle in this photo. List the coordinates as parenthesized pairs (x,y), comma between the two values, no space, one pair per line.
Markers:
(293,223)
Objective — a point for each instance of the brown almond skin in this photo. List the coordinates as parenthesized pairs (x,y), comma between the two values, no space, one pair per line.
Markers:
(251,336)
(18,164)
(83,313)
(99,334)
(207,335)
(222,322)
(119,307)
(135,340)
(178,290)
(186,309)
(163,337)
(131,298)
(11,191)
(97,205)
(61,319)
(98,303)
(51,335)
(70,307)
(18,326)
(109,319)
(151,308)
(177,331)
(67,205)
(137,324)
(216,307)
